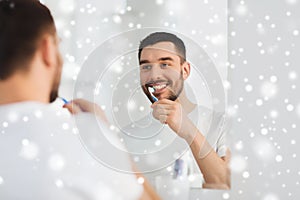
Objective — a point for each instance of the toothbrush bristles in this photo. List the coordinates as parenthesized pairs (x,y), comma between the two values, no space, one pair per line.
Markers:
(151,89)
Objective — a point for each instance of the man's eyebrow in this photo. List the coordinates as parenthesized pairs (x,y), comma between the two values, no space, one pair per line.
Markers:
(166,58)
(160,59)
(144,61)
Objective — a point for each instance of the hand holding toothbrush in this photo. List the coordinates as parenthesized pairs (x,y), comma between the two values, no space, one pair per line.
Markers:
(77,106)
(171,113)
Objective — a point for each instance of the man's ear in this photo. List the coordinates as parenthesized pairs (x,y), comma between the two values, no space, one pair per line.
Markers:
(48,50)
(186,69)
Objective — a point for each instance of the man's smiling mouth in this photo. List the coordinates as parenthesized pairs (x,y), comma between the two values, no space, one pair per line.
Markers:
(157,86)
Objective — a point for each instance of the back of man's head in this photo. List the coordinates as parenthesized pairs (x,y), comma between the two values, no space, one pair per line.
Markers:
(22,22)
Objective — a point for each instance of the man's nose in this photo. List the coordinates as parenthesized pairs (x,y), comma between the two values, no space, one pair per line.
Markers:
(156,72)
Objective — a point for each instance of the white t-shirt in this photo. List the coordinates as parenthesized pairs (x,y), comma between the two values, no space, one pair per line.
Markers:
(41,157)
(155,147)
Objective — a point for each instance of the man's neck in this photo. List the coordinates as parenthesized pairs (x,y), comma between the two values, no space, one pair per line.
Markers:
(17,89)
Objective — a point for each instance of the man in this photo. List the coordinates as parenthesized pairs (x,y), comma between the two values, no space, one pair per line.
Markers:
(164,68)
(163,71)
(40,154)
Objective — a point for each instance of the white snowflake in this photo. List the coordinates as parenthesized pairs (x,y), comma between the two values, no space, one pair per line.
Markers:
(29,150)
(56,162)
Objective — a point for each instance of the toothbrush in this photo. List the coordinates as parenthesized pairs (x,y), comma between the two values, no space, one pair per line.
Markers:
(151,90)
(64,100)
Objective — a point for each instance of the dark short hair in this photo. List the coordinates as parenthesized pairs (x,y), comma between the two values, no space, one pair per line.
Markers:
(157,37)
(22,22)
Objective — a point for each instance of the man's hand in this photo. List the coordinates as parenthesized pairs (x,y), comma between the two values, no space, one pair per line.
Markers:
(171,113)
(80,105)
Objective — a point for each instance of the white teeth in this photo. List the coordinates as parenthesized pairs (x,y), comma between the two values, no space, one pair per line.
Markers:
(158,87)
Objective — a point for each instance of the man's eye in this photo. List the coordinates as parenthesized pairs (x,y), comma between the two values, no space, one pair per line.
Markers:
(164,65)
(146,67)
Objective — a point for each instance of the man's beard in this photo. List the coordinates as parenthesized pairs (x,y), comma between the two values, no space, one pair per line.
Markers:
(175,88)
(56,82)
(53,96)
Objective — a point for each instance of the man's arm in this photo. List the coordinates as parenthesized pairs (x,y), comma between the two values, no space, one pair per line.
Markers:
(80,105)
(148,192)
(215,170)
